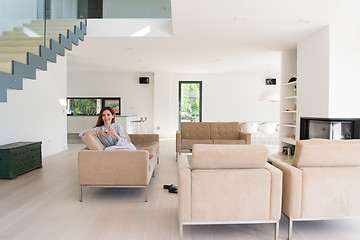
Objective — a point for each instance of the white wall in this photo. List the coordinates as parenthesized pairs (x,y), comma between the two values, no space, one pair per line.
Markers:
(226,97)
(328,73)
(165,113)
(344,80)
(136,99)
(313,75)
(37,113)
(133,27)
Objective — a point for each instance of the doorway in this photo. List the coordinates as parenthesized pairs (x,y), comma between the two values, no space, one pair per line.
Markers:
(190,101)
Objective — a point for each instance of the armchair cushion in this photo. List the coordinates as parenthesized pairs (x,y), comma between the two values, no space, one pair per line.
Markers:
(242,200)
(215,156)
(333,153)
(92,142)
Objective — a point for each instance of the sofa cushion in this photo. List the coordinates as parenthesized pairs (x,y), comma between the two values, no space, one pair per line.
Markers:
(92,142)
(224,130)
(186,143)
(214,156)
(327,153)
(229,141)
(195,130)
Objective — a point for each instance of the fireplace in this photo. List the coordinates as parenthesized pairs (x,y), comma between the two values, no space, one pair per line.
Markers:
(330,128)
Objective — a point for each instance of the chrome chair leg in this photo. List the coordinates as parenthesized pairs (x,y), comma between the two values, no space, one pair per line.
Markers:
(290,228)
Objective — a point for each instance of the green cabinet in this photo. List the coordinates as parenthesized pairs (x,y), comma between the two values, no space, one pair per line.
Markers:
(18,158)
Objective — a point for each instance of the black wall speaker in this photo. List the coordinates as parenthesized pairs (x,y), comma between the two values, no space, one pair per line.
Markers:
(144,80)
(270,81)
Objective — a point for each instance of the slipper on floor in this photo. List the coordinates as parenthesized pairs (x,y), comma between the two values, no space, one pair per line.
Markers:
(173,190)
(173,187)
(168,186)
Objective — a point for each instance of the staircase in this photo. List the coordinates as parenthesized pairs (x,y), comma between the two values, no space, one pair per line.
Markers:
(24,50)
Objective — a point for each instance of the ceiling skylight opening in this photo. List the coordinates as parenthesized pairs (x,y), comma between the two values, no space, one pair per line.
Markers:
(141,33)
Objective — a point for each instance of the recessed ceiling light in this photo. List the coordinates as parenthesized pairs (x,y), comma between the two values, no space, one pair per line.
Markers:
(304,21)
(240,19)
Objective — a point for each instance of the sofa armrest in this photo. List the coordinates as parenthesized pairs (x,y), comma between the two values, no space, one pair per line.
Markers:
(178,141)
(245,136)
(184,189)
(276,191)
(114,168)
(292,188)
(143,138)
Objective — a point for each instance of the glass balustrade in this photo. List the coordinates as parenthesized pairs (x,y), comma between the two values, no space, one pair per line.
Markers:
(26,24)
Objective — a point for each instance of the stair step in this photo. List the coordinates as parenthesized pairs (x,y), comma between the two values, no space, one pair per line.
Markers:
(25,37)
(22,43)
(32,49)
(40,31)
(40,28)
(5,67)
(52,22)
(8,57)
(21,33)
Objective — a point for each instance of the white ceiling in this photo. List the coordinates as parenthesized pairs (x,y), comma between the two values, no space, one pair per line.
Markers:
(217,36)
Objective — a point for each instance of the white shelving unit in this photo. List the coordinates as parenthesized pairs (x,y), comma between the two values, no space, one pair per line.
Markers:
(288,101)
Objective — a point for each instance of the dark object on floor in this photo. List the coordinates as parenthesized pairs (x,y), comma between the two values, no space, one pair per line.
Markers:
(168,186)
(173,189)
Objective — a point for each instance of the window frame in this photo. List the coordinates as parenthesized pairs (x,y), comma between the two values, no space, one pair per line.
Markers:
(179,100)
(103,99)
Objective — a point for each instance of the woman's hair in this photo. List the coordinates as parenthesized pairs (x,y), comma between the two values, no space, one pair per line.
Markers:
(100,121)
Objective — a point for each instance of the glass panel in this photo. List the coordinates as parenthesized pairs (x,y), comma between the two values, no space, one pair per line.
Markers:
(91,106)
(114,104)
(190,102)
(83,106)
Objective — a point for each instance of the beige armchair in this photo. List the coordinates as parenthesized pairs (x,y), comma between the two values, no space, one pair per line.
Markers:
(228,184)
(125,169)
(322,182)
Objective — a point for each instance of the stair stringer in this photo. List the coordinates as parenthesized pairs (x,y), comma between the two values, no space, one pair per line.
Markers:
(21,70)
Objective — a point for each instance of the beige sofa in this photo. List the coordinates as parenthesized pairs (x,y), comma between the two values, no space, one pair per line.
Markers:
(209,133)
(99,168)
(322,182)
(228,184)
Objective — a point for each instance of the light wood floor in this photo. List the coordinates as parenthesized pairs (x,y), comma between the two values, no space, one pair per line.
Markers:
(43,204)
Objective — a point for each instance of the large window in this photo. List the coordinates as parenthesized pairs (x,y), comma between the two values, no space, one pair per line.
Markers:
(91,106)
